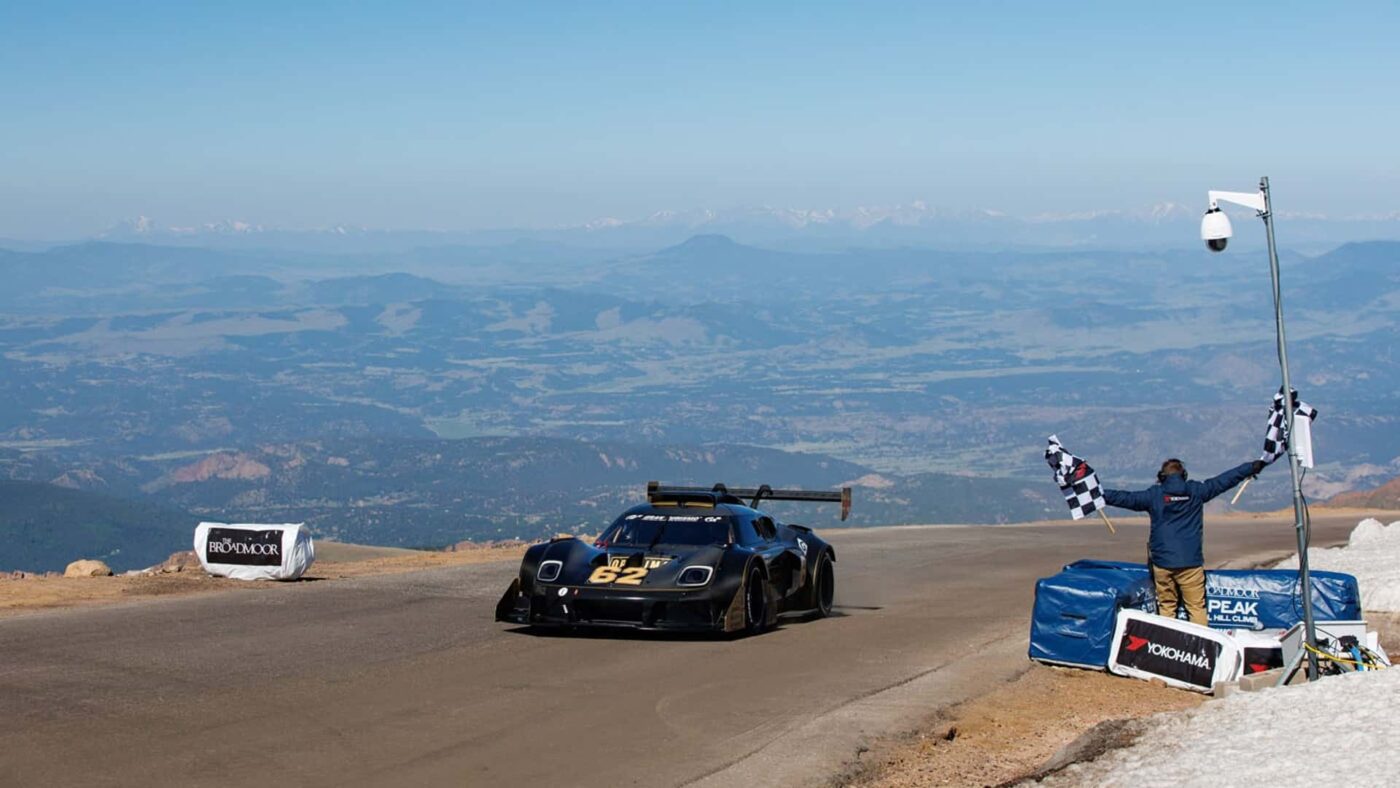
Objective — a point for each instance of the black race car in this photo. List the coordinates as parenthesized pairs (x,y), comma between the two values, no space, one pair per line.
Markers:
(690,559)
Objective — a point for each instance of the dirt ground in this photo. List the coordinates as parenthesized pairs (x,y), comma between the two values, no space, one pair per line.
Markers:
(1012,731)
(333,561)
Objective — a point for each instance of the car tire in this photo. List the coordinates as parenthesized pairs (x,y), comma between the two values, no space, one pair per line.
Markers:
(824,586)
(755,603)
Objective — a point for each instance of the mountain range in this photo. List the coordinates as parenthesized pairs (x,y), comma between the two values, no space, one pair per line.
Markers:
(912,224)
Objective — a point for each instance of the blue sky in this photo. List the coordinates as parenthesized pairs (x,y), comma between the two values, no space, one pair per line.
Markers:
(461,116)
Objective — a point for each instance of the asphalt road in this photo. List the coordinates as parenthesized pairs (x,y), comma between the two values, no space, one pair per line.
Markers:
(406,680)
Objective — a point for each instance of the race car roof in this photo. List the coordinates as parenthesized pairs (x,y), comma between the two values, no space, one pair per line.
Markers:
(723,494)
(725,508)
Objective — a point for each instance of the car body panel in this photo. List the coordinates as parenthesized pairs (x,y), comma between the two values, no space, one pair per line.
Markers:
(638,586)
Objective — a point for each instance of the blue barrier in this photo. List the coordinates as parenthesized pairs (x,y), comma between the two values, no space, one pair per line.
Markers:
(1075,611)
(1269,598)
(1072,622)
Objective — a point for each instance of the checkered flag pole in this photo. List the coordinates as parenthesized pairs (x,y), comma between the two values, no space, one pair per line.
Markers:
(1077,482)
(1276,433)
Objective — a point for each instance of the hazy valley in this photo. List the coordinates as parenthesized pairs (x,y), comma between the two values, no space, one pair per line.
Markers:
(436,394)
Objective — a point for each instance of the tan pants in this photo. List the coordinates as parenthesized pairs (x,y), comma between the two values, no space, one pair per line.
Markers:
(1187,586)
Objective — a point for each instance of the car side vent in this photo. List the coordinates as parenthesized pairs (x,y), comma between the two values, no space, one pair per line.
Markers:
(694,576)
(549,571)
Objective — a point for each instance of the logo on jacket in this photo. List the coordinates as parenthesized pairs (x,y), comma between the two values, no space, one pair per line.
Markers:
(1175,498)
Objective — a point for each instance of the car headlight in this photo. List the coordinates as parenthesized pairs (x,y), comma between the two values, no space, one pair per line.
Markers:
(549,571)
(695,576)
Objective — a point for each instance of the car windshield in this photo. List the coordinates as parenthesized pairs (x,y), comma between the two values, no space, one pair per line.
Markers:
(645,530)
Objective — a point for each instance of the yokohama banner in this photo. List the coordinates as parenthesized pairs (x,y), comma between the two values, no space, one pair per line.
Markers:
(254,552)
(1180,653)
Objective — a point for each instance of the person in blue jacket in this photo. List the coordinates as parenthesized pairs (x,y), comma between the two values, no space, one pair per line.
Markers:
(1174,505)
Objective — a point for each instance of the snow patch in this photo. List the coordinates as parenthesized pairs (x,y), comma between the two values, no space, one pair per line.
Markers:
(1334,731)
(1372,554)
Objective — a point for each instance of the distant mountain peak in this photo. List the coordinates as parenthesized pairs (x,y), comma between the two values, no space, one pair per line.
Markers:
(706,242)
(710,239)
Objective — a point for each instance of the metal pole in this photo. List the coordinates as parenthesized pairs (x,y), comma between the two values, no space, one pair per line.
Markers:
(1299,508)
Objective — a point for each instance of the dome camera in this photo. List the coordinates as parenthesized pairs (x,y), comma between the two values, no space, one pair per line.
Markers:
(1215,229)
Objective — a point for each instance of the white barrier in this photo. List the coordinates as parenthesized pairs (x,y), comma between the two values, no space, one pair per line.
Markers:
(249,551)
(1180,653)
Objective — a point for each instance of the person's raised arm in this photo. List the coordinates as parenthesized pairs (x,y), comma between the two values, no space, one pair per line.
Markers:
(1219,484)
(1139,501)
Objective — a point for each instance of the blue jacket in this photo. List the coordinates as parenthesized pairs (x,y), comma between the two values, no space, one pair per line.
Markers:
(1175,508)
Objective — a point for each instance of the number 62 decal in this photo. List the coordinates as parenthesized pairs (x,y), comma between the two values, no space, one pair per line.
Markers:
(617,571)
(627,575)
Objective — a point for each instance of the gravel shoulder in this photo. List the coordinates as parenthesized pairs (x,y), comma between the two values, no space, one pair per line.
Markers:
(1012,731)
(334,561)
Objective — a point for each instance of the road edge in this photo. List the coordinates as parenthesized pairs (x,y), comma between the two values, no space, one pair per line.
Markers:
(824,746)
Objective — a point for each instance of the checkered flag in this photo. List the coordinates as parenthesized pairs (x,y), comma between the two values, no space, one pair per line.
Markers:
(1276,436)
(1078,482)
(1276,433)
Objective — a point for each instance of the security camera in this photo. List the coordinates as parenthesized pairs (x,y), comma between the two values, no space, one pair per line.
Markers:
(1215,229)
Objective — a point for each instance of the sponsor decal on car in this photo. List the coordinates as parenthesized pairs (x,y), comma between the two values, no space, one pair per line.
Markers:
(617,571)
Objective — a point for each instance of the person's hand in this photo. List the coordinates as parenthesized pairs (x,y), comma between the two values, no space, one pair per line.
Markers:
(1258,466)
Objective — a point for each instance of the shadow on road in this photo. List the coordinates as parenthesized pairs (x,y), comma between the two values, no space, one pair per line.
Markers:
(628,633)
(617,633)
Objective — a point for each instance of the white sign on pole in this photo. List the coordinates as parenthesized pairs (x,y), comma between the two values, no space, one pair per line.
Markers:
(1303,426)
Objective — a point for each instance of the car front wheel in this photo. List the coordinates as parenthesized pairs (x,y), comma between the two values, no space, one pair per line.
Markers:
(755,603)
(824,586)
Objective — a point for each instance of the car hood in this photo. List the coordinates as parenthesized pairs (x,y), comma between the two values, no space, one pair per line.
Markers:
(662,564)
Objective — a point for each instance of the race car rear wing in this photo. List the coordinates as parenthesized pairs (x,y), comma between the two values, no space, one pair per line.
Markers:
(656,490)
